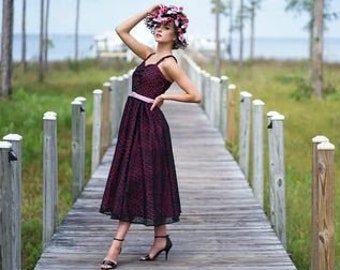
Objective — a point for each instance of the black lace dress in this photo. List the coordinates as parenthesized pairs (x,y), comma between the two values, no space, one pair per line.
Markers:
(142,184)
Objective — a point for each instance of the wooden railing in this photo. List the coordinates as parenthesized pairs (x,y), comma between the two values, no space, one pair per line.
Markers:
(219,104)
(221,94)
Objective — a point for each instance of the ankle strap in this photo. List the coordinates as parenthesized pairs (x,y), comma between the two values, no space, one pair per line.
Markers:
(120,240)
(162,236)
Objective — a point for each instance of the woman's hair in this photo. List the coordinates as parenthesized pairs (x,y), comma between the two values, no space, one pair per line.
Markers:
(165,14)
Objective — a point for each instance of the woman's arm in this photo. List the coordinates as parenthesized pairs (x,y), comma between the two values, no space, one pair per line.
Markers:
(123,31)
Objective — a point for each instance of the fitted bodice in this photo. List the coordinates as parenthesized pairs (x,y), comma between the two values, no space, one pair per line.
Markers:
(149,81)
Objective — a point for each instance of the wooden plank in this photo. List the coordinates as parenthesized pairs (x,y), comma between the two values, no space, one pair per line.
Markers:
(222,225)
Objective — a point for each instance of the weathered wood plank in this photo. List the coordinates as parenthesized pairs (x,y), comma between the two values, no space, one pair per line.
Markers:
(222,225)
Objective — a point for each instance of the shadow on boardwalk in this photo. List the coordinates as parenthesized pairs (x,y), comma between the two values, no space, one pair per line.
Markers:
(222,226)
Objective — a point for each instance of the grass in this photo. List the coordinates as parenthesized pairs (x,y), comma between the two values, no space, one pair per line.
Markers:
(279,84)
(23,113)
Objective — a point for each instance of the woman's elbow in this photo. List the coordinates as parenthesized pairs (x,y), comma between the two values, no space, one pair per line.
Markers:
(118,29)
(197,98)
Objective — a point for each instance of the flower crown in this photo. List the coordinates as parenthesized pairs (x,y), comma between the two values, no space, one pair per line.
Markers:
(165,14)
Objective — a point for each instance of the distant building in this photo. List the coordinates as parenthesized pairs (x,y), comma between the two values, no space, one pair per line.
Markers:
(207,46)
(108,45)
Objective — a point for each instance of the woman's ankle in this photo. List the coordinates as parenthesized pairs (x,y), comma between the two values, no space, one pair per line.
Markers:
(114,250)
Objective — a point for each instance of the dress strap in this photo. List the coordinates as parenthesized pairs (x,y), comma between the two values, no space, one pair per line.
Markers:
(168,56)
(149,56)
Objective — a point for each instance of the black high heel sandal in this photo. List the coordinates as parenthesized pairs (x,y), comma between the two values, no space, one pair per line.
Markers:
(168,246)
(110,264)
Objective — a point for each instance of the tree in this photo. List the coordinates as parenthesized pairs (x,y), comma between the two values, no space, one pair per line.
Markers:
(316,10)
(317,48)
(303,6)
(76,35)
(42,44)
(23,36)
(46,38)
(230,12)
(43,39)
(6,47)
(254,4)
(218,8)
(241,37)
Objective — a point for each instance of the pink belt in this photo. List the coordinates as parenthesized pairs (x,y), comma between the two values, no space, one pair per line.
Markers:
(141,97)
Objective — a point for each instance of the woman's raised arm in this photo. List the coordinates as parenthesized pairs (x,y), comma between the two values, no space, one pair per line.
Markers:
(123,31)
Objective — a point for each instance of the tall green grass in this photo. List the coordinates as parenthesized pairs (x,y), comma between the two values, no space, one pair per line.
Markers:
(23,113)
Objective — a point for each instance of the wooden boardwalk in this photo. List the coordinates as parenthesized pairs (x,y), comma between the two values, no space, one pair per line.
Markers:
(222,226)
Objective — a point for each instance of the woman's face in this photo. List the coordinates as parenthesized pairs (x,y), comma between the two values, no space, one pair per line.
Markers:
(165,33)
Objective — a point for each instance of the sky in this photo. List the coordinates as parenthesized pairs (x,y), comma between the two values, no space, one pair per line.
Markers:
(100,16)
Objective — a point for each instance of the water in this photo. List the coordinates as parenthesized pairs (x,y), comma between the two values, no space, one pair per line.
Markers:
(268,48)
(61,47)
(295,48)
(287,49)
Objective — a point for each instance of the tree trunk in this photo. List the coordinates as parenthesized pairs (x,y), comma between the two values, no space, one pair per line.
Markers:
(6,47)
(252,30)
(23,37)
(217,42)
(231,30)
(311,35)
(46,38)
(76,35)
(41,43)
(317,58)
(241,16)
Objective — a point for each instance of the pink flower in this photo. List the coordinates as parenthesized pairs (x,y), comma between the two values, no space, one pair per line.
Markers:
(165,14)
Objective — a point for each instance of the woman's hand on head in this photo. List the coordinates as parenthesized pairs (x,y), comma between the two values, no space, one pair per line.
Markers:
(153,8)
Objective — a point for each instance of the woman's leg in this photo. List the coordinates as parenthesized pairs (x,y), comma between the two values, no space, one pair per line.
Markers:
(115,248)
(159,243)
(161,230)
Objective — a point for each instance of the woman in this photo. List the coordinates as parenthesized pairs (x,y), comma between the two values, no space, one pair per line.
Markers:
(142,185)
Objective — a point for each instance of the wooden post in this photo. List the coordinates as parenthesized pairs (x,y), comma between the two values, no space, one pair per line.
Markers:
(77,168)
(231,129)
(125,91)
(6,221)
(199,78)
(114,108)
(326,211)
(208,97)
(50,172)
(119,96)
(258,150)
(277,181)
(16,142)
(223,106)
(129,88)
(271,166)
(190,68)
(96,127)
(201,84)
(82,140)
(315,203)
(215,101)
(105,130)
(244,134)
(205,89)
